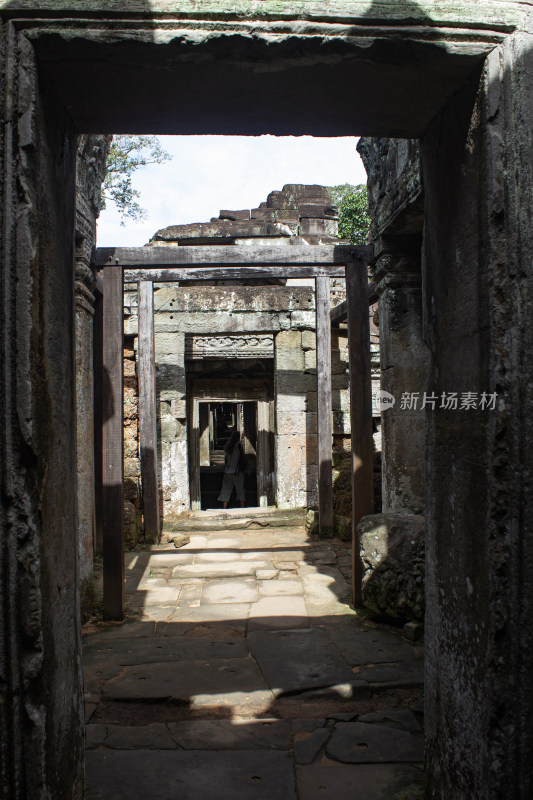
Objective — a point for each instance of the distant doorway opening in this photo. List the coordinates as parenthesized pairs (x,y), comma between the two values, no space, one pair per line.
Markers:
(217,421)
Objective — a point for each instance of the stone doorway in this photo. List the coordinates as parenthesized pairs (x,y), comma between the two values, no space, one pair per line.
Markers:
(213,415)
(391,69)
(217,422)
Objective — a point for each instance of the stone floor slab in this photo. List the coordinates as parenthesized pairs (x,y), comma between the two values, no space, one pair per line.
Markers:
(154,613)
(185,679)
(360,743)
(128,652)
(307,746)
(360,782)
(214,629)
(160,595)
(127,629)
(402,673)
(370,646)
(237,613)
(225,734)
(231,569)
(190,775)
(400,718)
(325,576)
(272,588)
(224,542)
(294,661)
(155,736)
(217,557)
(230,591)
(278,612)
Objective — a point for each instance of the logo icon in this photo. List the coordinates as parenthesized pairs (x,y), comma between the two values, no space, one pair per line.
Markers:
(384,400)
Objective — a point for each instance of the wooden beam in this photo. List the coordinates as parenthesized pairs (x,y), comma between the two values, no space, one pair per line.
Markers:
(229,273)
(360,409)
(324,422)
(147,413)
(231,255)
(340,312)
(112,446)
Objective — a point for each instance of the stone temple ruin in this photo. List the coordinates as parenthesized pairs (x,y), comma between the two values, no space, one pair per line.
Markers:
(234,354)
(441,93)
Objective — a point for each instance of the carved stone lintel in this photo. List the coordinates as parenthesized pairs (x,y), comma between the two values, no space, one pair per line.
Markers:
(394,270)
(258,346)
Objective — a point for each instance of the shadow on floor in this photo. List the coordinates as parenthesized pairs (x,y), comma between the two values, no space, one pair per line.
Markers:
(243,672)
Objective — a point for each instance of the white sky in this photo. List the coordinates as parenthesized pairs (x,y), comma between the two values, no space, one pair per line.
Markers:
(210,173)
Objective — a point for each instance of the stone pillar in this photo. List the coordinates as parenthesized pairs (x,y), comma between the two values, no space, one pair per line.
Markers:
(171,394)
(293,446)
(84,303)
(404,370)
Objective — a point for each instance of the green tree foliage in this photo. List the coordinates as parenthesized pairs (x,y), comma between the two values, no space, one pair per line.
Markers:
(126,156)
(354,221)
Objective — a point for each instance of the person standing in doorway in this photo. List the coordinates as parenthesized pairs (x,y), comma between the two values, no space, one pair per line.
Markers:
(234,469)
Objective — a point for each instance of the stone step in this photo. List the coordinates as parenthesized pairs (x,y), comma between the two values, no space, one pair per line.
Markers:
(236,519)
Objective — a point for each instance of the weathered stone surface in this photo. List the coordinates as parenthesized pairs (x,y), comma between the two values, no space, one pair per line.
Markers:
(278,613)
(370,645)
(234,215)
(399,718)
(382,782)
(273,588)
(129,652)
(243,591)
(264,734)
(205,774)
(392,550)
(293,661)
(406,673)
(199,299)
(155,736)
(225,680)
(308,745)
(359,743)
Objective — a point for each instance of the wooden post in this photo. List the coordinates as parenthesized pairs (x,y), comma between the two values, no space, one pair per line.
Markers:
(147,413)
(194,455)
(324,422)
(360,408)
(113,444)
(263,452)
(203,439)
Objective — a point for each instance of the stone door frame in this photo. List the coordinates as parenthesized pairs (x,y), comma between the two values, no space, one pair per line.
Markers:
(367,69)
(262,412)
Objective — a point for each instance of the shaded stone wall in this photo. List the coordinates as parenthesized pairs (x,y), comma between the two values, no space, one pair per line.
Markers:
(90,172)
(41,708)
(478,259)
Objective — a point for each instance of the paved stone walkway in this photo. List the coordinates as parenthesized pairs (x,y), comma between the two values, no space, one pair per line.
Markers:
(242,673)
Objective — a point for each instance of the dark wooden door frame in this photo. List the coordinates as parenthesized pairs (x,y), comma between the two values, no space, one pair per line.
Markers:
(164,264)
